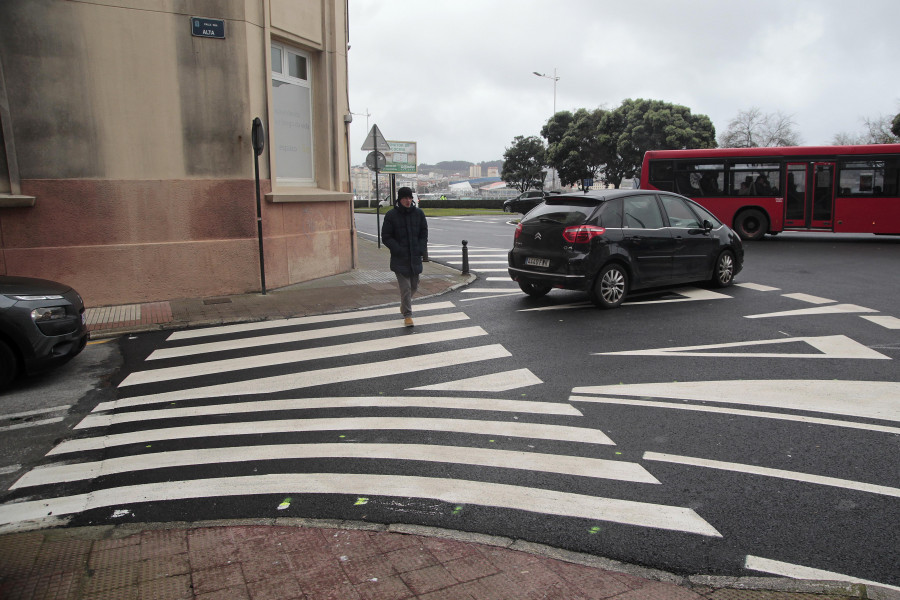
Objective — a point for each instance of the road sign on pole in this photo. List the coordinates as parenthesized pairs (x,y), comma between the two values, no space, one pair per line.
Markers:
(375,141)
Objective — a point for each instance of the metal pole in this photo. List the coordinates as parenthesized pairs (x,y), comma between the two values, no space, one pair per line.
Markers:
(465,265)
(258,138)
(377,211)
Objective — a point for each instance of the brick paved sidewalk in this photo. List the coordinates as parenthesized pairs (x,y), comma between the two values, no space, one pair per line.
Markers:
(270,562)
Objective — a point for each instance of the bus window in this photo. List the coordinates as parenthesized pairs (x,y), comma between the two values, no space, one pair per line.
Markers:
(870,178)
(699,179)
(755,179)
(662,174)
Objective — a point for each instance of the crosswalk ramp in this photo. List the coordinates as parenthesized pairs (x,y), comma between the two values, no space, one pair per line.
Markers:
(349,406)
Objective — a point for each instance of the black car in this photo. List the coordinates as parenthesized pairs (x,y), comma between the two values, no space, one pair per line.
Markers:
(610,243)
(524,202)
(42,325)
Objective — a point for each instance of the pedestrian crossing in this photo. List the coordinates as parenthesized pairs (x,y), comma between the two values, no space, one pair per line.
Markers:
(249,410)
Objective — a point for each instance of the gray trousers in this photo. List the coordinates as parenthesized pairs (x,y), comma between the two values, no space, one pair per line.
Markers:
(408,286)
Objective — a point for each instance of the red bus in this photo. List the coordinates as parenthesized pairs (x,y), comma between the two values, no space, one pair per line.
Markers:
(842,189)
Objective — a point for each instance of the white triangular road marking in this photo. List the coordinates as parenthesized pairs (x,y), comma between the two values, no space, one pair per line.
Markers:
(495,382)
(829,346)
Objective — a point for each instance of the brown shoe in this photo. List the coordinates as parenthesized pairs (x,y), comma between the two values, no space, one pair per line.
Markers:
(408,321)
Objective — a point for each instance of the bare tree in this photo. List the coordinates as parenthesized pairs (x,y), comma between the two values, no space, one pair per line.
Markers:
(876,130)
(752,128)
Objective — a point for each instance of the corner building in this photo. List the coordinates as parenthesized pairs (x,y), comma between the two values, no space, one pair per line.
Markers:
(126,161)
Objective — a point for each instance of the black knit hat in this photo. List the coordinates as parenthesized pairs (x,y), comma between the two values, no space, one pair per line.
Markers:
(404,192)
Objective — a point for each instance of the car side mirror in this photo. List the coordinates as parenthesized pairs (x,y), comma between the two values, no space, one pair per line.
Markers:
(707,226)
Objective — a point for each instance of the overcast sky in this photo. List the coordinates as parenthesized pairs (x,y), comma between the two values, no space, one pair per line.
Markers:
(457,77)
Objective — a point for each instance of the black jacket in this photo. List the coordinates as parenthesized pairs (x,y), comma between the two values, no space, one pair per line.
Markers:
(405,233)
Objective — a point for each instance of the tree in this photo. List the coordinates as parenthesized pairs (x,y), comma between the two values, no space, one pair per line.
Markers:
(752,128)
(657,125)
(575,148)
(523,163)
(879,130)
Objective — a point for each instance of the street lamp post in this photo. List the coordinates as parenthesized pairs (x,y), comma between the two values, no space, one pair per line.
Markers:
(555,78)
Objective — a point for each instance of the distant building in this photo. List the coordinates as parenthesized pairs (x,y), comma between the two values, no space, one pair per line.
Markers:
(126,162)
(493,172)
(475,171)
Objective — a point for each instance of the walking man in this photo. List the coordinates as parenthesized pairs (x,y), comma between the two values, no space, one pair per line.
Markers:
(405,233)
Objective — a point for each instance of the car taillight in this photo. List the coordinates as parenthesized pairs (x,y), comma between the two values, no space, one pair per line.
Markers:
(518,231)
(582,234)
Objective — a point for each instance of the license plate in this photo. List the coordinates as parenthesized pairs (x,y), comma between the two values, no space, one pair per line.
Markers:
(537,262)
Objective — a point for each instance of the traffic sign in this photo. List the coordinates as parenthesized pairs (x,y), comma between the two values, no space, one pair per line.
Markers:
(375,141)
(375,160)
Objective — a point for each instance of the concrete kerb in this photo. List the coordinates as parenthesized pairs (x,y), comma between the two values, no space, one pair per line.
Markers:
(761,584)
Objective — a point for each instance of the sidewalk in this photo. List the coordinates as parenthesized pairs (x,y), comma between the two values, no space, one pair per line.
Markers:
(287,559)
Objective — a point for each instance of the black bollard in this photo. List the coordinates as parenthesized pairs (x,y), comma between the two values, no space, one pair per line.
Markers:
(465,267)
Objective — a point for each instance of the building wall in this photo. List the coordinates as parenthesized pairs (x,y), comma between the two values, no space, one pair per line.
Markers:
(134,171)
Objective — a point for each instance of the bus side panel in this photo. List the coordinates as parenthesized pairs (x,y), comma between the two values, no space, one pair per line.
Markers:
(727,207)
(867,215)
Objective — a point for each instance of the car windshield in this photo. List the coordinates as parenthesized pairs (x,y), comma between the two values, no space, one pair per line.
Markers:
(566,211)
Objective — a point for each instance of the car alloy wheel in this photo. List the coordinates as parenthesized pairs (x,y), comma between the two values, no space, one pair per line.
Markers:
(724,273)
(610,286)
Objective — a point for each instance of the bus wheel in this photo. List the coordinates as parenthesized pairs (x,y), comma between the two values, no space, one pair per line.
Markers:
(723,275)
(751,224)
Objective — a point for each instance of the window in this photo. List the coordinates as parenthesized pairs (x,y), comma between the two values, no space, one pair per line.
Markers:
(696,179)
(662,174)
(679,213)
(755,179)
(642,212)
(870,177)
(292,135)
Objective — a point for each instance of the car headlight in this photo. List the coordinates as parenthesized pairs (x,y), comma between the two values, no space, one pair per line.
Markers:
(48,313)
(33,298)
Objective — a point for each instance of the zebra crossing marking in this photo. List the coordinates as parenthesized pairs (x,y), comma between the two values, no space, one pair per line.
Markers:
(559,433)
(495,382)
(831,309)
(456,491)
(296,356)
(451,403)
(483,457)
(828,346)
(300,336)
(776,567)
(275,323)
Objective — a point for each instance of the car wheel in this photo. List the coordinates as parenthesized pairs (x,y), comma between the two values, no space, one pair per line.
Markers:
(610,286)
(751,224)
(9,364)
(534,290)
(507,209)
(723,275)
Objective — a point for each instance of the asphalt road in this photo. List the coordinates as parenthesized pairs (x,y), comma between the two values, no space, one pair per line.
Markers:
(742,431)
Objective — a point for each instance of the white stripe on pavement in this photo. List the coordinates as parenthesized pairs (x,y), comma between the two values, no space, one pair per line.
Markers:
(456,491)
(846,484)
(29,424)
(563,433)
(739,411)
(775,567)
(304,379)
(450,403)
(831,309)
(257,325)
(37,411)
(885,321)
(296,356)
(484,457)
(494,290)
(758,287)
(808,298)
(867,399)
(300,336)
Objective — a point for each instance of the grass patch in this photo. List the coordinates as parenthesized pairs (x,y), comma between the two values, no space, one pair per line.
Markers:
(443,212)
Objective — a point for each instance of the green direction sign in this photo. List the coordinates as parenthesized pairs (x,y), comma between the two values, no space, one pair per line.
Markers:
(401,158)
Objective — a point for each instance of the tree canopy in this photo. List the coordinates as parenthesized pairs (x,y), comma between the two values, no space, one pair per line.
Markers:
(752,128)
(524,162)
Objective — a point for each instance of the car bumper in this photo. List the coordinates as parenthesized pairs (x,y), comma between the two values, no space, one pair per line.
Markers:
(561,280)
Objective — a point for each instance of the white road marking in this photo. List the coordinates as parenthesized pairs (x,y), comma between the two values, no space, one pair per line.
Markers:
(485,457)
(558,307)
(480,270)
(258,325)
(452,403)
(775,567)
(37,411)
(819,310)
(583,435)
(688,295)
(810,299)
(829,346)
(758,287)
(301,336)
(504,279)
(9,469)
(495,382)
(515,290)
(866,399)
(846,484)
(885,321)
(480,262)
(304,379)
(296,356)
(455,491)
(738,411)
(29,424)
(500,295)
